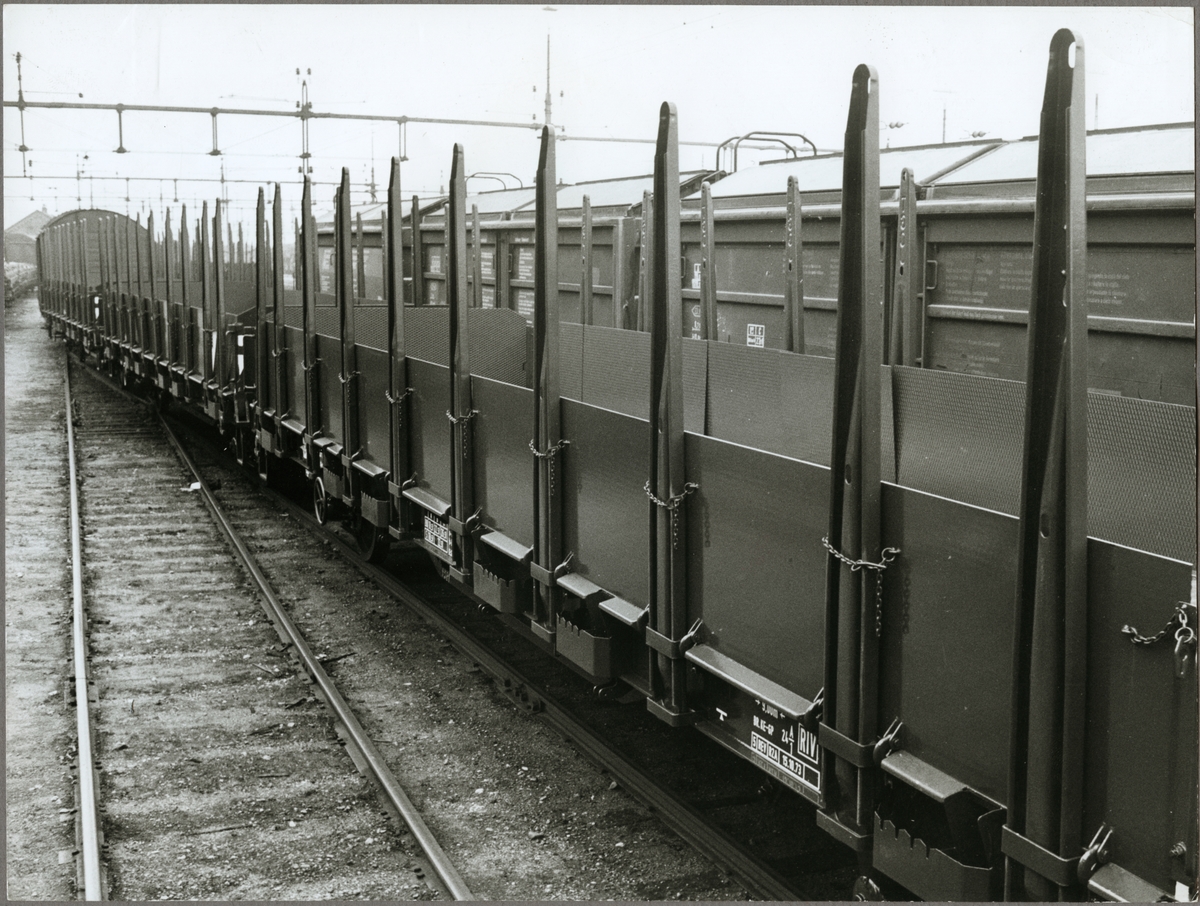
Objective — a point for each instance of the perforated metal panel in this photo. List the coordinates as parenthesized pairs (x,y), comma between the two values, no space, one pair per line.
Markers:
(293,316)
(497,344)
(806,398)
(887,427)
(370,326)
(327,322)
(695,384)
(427,333)
(744,398)
(570,361)
(616,370)
(1142,474)
(960,436)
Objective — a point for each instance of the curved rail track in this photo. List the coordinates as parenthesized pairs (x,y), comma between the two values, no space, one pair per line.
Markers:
(365,751)
(686,818)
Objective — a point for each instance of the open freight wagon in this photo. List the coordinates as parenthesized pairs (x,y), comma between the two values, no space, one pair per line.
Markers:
(892,495)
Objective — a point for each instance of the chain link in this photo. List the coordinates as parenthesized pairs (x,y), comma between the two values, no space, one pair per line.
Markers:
(549,454)
(397,399)
(671,505)
(1178,617)
(887,555)
(455,420)
(551,451)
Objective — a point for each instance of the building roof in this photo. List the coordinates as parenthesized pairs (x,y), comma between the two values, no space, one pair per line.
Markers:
(30,225)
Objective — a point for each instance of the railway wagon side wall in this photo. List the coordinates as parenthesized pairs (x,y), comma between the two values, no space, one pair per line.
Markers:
(977,272)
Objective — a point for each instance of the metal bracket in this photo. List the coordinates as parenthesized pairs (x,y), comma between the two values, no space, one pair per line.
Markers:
(550,576)
(1051,866)
(845,748)
(1095,855)
(811,718)
(888,742)
(672,648)
(465,527)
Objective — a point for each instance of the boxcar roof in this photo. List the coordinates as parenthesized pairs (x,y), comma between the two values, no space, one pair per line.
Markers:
(824,173)
(1126,152)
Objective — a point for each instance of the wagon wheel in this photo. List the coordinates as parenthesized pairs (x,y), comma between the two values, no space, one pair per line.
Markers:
(322,505)
(262,462)
(373,542)
(240,444)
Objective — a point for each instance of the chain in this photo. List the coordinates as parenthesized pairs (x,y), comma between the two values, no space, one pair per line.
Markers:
(1185,637)
(1179,616)
(551,451)
(347,378)
(671,505)
(397,399)
(455,420)
(549,454)
(887,555)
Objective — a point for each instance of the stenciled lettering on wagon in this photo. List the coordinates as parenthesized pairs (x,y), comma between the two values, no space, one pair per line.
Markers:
(489,297)
(435,261)
(487,263)
(783,743)
(525,302)
(525,265)
(695,312)
(983,362)
(820,268)
(995,278)
(1107,289)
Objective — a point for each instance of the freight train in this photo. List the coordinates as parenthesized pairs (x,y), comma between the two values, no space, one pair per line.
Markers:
(877,468)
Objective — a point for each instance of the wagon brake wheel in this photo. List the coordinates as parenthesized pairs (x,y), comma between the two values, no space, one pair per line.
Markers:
(321,501)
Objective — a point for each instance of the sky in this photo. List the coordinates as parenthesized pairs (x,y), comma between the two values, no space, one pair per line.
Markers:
(730,70)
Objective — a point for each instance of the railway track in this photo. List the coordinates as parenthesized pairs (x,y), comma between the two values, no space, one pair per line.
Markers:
(168,613)
(364,751)
(805,864)
(116,423)
(88,834)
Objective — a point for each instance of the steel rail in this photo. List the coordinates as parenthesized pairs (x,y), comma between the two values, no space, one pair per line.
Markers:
(759,879)
(93,886)
(357,736)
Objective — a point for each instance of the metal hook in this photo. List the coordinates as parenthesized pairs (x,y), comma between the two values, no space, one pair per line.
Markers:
(1185,641)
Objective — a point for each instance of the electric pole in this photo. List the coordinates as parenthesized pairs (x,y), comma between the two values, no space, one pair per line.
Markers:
(548,120)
